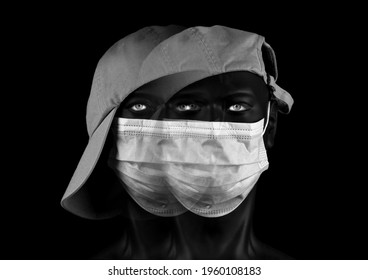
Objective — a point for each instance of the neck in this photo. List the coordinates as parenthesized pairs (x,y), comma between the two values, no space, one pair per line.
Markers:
(226,237)
(190,236)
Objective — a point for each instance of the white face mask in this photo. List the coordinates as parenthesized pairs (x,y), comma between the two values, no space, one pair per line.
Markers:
(169,167)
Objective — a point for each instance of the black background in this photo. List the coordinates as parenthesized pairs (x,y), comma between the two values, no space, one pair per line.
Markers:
(311,203)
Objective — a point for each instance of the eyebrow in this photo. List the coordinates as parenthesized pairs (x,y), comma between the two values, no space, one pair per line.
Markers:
(241,91)
(188,94)
(196,93)
(143,94)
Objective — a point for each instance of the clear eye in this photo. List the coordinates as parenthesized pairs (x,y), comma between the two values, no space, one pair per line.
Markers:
(238,108)
(187,107)
(138,107)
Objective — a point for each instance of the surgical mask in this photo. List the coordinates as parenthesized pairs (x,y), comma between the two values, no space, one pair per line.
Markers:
(170,167)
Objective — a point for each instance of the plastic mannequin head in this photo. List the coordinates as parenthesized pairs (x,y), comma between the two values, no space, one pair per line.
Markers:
(230,97)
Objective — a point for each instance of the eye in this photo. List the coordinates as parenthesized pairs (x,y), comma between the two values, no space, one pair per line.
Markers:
(138,107)
(187,107)
(238,108)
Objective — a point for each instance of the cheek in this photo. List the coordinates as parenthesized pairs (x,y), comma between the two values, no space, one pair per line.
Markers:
(128,114)
(125,113)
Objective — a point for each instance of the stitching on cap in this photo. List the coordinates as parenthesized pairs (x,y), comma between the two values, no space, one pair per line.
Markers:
(272,57)
(159,38)
(167,59)
(259,53)
(97,88)
(206,49)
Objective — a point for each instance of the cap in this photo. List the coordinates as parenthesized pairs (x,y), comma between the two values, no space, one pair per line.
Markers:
(176,57)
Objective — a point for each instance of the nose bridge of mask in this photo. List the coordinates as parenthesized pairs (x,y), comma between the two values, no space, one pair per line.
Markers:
(199,142)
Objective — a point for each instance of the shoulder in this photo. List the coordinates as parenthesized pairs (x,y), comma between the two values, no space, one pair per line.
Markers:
(263,251)
(118,250)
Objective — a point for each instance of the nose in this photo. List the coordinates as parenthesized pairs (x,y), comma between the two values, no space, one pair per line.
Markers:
(216,112)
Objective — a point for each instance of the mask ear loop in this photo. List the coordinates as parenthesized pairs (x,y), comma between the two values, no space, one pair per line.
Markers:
(268,117)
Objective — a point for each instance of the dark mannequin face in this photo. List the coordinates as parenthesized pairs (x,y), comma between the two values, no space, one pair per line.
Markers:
(230,97)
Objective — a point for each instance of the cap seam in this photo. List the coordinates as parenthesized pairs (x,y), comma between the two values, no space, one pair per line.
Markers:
(99,98)
(272,58)
(259,54)
(167,59)
(206,50)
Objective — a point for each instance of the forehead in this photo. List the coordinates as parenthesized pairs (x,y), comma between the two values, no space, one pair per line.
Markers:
(225,86)
(218,86)
(229,82)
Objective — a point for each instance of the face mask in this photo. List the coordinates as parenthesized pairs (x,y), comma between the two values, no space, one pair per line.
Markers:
(170,167)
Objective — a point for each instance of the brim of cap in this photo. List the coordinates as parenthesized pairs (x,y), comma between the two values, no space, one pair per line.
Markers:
(84,169)
(77,198)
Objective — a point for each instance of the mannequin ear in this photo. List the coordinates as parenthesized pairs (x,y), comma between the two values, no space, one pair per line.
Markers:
(270,133)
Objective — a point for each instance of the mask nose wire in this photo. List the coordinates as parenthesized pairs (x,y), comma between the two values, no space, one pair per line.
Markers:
(268,117)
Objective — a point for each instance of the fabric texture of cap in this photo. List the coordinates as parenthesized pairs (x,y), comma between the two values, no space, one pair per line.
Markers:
(176,57)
